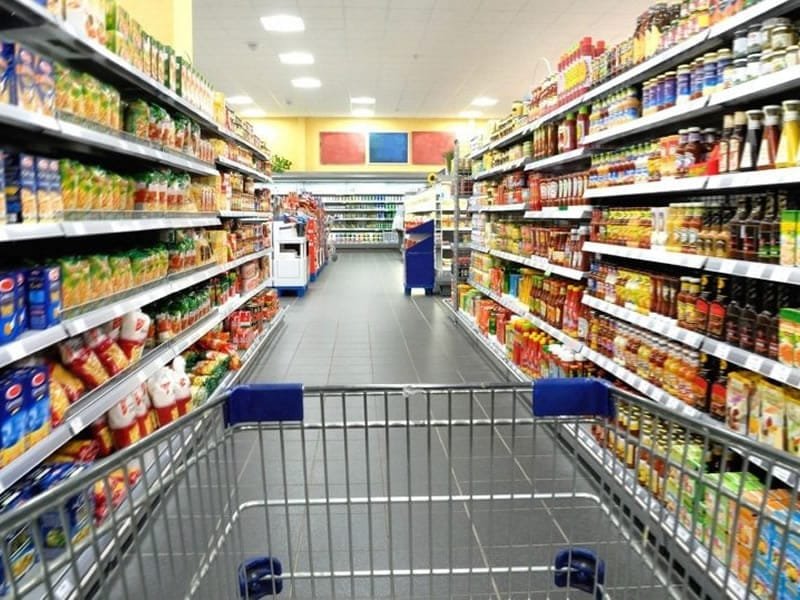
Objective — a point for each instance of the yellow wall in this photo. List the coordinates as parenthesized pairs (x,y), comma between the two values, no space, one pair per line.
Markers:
(298,138)
(169,21)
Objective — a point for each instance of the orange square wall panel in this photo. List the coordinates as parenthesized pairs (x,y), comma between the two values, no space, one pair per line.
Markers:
(429,147)
(342,148)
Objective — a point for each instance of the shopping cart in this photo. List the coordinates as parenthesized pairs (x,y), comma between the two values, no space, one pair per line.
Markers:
(474,491)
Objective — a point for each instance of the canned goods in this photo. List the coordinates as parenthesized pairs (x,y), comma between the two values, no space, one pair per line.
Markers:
(724,58)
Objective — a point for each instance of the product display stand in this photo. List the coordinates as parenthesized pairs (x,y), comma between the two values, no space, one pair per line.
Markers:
(291,259)
(419,258)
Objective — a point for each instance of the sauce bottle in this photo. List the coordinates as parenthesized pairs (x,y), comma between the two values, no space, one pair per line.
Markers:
(717,311)
(734,312)
(737,140)
(719,393)
(765,318)
(747,319)
(766,228)
(752,141)
(724,143)
(750,229)
(735,226)
(722,244)
(702,305)
(701,384)
(770,138)
(683,297)
(582,124)
(786,156)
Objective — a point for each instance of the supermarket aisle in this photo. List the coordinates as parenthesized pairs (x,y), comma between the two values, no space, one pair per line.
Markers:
(355,326)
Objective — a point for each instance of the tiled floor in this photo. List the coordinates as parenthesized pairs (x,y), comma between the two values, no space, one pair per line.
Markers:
(355,326)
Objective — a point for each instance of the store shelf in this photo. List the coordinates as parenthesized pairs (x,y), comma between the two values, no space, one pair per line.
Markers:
(561,212)
(753,362)
(658,323)
(537,262)
(334,211)
(18,118)
(358,230)
(506,167)
(677,259)
(518,308)
(31,342)
(233,165)
(753,270)
(37,231)
(665,186)
(520,206)
(16,233)
(479,248)
(748,179)
(367,219)
(644,125)
(516,135)
(244,214)
(558,160)
(367,245)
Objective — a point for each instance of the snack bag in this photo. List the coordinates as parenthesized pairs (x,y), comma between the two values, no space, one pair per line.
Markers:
(72,386)
(133,334)
(162,394)
(59,403)
(100,278)
(77,451)
(84,363)
(123,423)
(101,433)
(108,352)
(182,386)
(146,417)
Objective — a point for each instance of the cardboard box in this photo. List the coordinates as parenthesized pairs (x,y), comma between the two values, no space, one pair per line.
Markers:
(44,297)
(20,182)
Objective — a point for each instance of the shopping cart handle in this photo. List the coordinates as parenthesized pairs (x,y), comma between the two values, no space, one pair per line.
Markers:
(568,397)
(579,568)
(264,403)
(260,577)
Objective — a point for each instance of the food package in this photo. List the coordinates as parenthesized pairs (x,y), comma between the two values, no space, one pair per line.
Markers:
(84,363)
(72,386)
(133,334)
(123,423)
(162,395)
(182,386)
(80,451)
(36,382)
(59,403)
(111,356)
(75,281)
(12,418)
(101,433)
(148,422)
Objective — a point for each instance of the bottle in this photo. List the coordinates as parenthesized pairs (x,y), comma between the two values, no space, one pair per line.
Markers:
(750,228)
(786,156)
(752,141)
(737,139)
(719,393)
(770,139)
(765,318)
(722,244)
(747,319)
(718,310)
(766,228)
(682,302)
(701,384)
(582,124)
(734,311)
(724,143)
(702,305)
(736,224)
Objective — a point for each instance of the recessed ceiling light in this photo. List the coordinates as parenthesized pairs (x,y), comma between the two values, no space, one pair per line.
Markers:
(362,100)
(470,114)
(252,113)
(363,112)
(306,82)
(283,23)
(296,58)
(484,101)
(239,100)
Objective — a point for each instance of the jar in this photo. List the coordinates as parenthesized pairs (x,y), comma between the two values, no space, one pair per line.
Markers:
(709,73)
(765,63)
(792,58)
(753,65)
(670,89)
(740,43)
(740,70)
(684,84)
(753,39)
(766,27)
(778,60)
(724,58)
(728,76)
(698,77)
(782,36)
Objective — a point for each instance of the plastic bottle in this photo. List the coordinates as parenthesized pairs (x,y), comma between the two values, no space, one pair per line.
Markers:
(786,155)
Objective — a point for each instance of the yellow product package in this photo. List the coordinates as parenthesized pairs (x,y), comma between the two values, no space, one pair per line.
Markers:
(772,418)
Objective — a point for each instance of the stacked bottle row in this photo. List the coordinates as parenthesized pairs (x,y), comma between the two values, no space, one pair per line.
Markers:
(558,245)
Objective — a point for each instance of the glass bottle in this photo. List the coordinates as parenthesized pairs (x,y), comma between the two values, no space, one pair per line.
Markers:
(737,140)
(702,305)
(701,384)
(765,318)
(734,311)
(735,226)
(693,151)
(766,229)
(682,302)
(724,143)
(770,138)
(786,156)
(750,228)
(718,309)
(722,245)
(747,319)
(719,393)
(752,141)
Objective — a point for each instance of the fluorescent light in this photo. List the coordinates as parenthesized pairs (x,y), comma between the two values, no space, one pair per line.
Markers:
(252,113)
(484,101)
(239,100)
(306,82)
(296,58)
(363,112)
(470,114)
(283,23)
(362,100)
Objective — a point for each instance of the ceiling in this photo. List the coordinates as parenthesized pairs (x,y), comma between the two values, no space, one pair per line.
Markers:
(418,58)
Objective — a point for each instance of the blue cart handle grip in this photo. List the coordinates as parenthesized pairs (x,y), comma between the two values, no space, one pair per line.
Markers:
(264,403)
(572,397)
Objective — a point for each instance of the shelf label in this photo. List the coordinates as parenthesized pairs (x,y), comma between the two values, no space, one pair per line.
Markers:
(753,362)
(76,425)
(756,270)
(722,351)
(782,274)
(781,372)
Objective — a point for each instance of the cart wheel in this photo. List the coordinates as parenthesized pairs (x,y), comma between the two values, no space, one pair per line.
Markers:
(580,568)
(260,577)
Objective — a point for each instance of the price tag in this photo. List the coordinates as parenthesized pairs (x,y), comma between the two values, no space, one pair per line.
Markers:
(756,270)
(781,372)
(782,474)
(76,425)
(753,362)
(782,274)
(722,351)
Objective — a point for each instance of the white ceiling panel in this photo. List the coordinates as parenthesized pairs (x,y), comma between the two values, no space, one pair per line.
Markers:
(419,58)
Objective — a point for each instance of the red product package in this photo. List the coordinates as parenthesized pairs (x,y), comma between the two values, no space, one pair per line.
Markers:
(133,334)
(84,363)
(110,354)
(101,434)
(124,423)
(72,386)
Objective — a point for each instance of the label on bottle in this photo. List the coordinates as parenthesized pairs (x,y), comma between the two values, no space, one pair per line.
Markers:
(716,321)
(717,406)
(747,157)
(723,156)
(764,159)
(734,151)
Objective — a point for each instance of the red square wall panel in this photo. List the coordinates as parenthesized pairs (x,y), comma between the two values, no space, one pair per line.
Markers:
(342,148)
(428,147)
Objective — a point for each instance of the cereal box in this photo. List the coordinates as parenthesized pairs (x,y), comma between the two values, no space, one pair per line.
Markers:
(7,79)
(767,413)
(24,93)
(792,421)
